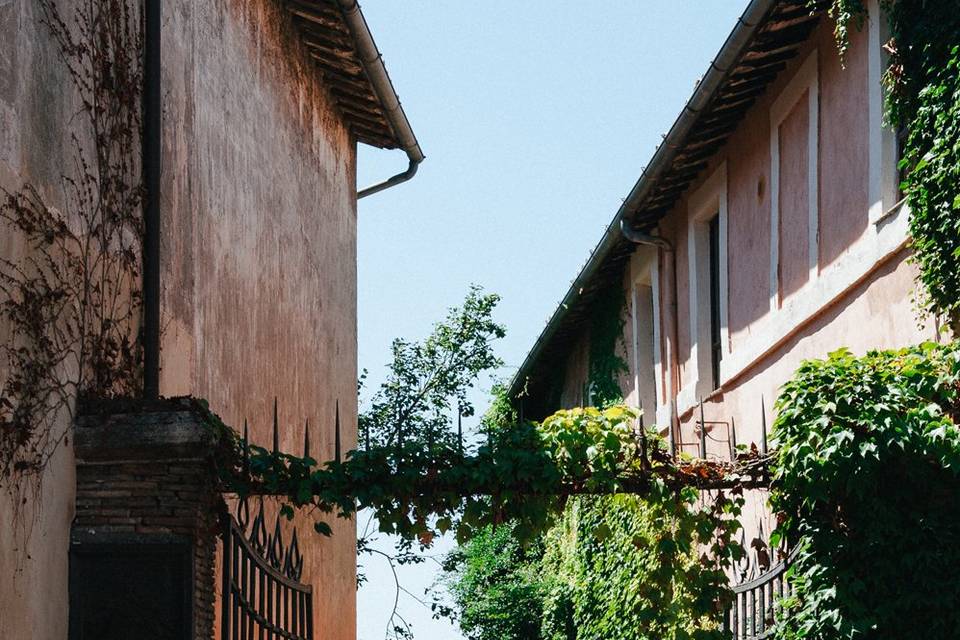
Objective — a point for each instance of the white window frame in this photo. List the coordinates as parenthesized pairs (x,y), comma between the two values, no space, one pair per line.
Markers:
(644,279)
(806,80)
(884,174)
(889,236)
(706,202)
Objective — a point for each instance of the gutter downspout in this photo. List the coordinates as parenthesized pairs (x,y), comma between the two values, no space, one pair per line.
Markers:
(376,72)
(152,158)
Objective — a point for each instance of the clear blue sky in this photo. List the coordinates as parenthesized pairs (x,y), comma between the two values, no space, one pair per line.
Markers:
(536,118)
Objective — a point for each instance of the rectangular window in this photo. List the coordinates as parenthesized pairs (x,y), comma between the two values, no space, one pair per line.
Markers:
(794,157)
(885,142)
(716,341)
(707,260)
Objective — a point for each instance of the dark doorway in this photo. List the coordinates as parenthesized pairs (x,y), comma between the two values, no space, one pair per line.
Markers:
(131,590)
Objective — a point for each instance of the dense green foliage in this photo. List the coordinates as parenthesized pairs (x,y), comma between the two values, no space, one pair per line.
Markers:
(868,480)
(496,586)
(606,334)
(521,477)
(612,568)
(630,568)
(924,97)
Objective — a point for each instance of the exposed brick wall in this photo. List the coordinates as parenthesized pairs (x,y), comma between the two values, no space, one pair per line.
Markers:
(149,475)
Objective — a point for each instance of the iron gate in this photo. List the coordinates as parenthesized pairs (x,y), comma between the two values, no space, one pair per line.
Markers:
(262,597)
(753,614)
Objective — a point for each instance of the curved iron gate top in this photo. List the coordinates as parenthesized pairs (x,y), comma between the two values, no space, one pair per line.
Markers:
(755,610)
(262,595)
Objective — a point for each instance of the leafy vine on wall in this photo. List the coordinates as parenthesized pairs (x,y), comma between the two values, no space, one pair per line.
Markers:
(922,82)
(606,337)
(70,296)
(868,481)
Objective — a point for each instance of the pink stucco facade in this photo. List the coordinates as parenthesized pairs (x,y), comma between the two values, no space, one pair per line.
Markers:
(259,271)
(814,256)
(260,266)
(34,145)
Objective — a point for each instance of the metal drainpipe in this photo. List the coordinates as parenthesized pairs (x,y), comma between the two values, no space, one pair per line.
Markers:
(377,74)
(151,211)
(393,181)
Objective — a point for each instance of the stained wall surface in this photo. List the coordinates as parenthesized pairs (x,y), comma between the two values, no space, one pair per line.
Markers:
(857,290)
(259,245)
(35,148)
(258,265)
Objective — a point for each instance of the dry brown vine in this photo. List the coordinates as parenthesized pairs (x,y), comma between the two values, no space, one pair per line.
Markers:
(71,300)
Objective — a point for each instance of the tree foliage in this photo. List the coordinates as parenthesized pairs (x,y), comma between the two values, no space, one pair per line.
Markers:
(496,586)
(428,381)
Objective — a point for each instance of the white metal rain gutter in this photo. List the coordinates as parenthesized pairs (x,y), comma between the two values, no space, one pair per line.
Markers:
(380,80)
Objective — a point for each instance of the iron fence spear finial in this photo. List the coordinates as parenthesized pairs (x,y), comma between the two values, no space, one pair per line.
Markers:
(763,425)
(276,428)
(336,434)
(306,438)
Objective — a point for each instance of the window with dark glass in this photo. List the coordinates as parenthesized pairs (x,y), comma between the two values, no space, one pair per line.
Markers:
(716,350)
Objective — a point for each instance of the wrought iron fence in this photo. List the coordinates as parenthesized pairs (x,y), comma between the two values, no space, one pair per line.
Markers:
(262,595)
(754,611)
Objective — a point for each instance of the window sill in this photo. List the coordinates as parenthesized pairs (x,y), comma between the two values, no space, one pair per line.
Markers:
(884,238)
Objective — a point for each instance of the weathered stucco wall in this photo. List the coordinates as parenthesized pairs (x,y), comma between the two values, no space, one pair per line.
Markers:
(862,283)
(886,320)
(35,149)
(858,294)
(258,257)
(842,182)
(259,245)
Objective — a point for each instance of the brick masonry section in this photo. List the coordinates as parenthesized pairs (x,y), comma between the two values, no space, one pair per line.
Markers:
(148,476)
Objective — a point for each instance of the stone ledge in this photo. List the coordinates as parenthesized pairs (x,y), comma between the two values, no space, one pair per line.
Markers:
(161,435)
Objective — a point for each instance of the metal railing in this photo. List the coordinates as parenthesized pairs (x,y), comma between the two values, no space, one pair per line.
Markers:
(753,614)
(262,597)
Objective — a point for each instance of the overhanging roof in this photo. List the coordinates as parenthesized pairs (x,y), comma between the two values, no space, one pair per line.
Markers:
(339,41)
(765,38)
